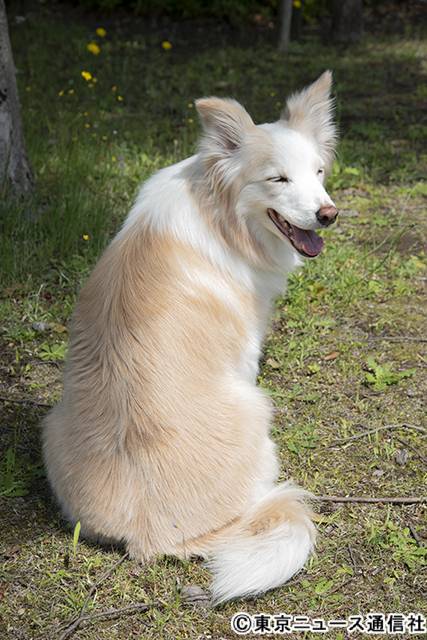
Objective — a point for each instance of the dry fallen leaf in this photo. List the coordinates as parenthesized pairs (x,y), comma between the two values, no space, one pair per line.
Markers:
(332,356)
(272,363)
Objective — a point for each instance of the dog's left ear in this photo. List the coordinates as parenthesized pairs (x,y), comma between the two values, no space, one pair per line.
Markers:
(311,111)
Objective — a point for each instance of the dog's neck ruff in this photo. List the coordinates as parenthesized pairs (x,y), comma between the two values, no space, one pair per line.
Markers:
(177,214)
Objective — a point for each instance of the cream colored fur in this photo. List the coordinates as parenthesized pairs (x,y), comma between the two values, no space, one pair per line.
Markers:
(161,439)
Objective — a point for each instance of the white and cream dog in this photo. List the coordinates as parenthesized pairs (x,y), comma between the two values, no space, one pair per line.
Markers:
(161,439)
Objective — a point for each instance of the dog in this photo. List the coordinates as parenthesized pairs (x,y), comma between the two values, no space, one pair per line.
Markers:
(161,439)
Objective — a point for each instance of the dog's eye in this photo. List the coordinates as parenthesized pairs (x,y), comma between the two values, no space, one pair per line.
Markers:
(279,179)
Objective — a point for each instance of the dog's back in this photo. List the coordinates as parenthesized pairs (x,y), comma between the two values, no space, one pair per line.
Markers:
(151,415)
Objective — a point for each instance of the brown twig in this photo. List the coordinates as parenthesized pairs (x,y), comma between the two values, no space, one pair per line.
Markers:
(398,338)
(112,613)
(340,586)
(368,500)
(45,362)
(74,624)
(25,401)
(415,534)
(387,427)
(392,236)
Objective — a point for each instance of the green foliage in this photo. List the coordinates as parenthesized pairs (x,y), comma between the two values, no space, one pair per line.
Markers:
(76,535)
(380,376)
(323,586)
(343,177)
(52,352)
(400,543)
(17,473)
(298,441)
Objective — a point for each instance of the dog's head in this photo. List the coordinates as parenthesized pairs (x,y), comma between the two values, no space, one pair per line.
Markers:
(267,181)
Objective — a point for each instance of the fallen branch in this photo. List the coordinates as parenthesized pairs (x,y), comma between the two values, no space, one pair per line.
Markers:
(395,237)
(45,362)
(74,624)
(368,500)
(113,613)
(386,427)
(398,338)
(35,403)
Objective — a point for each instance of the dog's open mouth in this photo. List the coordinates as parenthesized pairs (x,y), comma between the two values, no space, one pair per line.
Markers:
(306,242)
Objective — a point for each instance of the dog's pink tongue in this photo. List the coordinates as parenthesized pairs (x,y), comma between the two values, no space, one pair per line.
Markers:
(307,241)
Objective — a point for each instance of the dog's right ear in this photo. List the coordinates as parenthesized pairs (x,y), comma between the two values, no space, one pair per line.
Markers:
(225,123)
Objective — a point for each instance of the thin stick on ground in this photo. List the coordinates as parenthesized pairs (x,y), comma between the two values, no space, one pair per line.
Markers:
(369,500)
(74,624)
(112,614)
(415,534)
(398,338)
(387,427)
(24,401)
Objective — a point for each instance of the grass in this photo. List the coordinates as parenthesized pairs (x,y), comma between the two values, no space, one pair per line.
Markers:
(345,353)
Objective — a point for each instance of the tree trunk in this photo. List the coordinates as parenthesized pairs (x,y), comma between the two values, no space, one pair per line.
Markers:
(285,19)
(15,171)
(347,20)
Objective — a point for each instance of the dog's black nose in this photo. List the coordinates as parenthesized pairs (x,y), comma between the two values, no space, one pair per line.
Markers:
(327,215)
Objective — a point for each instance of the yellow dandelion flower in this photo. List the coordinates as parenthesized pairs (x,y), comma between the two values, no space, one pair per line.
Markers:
(120,98)
(87,125)
(71,92)
(61,93)
(190,105)
(297,4)
(166,45)
(94,48)
(86,75)
(190,120)
(85,236)
(101,32)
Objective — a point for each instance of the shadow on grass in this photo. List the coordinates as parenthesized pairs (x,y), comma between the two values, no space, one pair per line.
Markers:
(28,509)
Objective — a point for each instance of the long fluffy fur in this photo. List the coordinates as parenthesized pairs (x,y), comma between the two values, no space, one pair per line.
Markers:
(161,439)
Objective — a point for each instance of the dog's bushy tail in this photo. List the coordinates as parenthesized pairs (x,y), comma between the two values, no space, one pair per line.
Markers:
(263,548)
